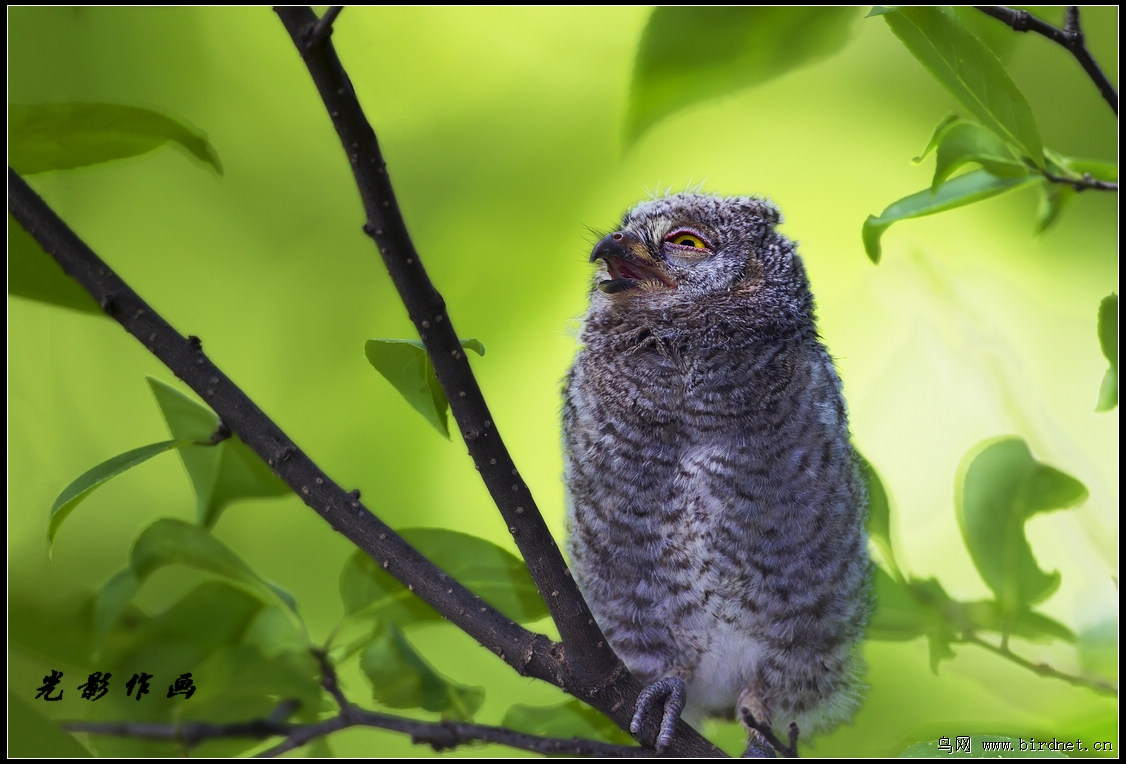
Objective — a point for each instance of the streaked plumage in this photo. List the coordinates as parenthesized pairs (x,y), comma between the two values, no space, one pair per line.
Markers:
(716,512)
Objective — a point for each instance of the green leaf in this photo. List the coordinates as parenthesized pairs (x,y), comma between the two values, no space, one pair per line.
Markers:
(970,71)
(1106,171)
(939,131)
(82,486)
(879,515)
(34,275)
(213,614)
(1098,648)
(223,473)
(571,719)
(1000,487)
(369,591)
(405,365)
(692,54)
(170,542)
(965,142)
(31,735)
(1053,198)
(957,192)
(61,136)
(906,609)
(494,574)
(898,616)
(1108,341)
(976,747)
(987,615)
(401,678)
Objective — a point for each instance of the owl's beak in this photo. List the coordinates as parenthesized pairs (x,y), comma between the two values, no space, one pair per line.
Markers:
(629,263)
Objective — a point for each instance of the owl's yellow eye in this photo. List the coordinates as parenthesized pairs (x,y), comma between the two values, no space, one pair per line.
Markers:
(687,239)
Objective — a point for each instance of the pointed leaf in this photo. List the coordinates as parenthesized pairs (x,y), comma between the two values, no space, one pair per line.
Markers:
(494,574)
(405,365)
(987,615)
(401,678)
(906,609)
(170,542)
(898,616)
(958,192)
(223,473)
(497,576)
(1108,341)
(1053,198)
(939,131)
(965,142)
(61,136)
(1106,171)
(1000,487)
(34,275)
(74,493)
(691,54)
(879,515)
(970,71)
(32,735)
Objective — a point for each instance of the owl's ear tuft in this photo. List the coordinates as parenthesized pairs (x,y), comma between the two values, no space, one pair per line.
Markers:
(767,210)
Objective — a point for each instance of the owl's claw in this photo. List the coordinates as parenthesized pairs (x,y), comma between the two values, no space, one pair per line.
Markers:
(668,692)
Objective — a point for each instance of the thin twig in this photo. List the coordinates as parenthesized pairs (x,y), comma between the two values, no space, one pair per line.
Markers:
(1070,37)
(1043,669)
(440,736)
(1087,182)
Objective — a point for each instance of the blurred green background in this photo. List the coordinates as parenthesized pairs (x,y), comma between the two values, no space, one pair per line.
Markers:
(502,129)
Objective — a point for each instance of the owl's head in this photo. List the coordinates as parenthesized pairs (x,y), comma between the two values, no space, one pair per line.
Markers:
(699,251)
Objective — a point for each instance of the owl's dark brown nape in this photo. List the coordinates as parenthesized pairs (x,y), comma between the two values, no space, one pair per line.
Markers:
(715,507)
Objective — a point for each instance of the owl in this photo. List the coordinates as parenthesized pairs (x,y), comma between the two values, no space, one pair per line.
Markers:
(715,506)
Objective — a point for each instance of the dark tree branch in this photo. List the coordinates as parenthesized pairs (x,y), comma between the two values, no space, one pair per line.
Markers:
(441,736)
(322,30)
(427,309)
(1070,37)
(583,665)
(596,675)
(1086,183)
(530,654)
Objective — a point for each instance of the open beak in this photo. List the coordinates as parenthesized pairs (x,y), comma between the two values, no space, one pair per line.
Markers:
(629,264)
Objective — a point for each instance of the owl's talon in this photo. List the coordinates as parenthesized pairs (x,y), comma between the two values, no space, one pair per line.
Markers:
(668,692)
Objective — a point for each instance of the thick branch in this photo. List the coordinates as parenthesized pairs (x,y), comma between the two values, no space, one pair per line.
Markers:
(584,666)
(1070,37)
(530,654)
(427,310)
(597,675)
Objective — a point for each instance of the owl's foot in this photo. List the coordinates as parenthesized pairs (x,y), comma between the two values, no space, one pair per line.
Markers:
(667,693)
(762,743)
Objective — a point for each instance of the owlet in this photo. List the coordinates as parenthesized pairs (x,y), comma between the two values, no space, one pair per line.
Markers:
(715,508)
